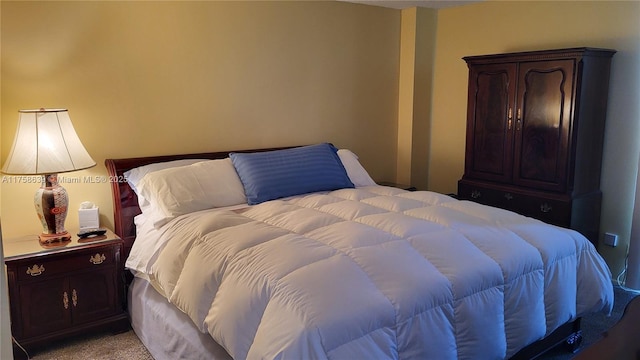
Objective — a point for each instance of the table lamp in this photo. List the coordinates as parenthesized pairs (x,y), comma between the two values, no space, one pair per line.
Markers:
(47,144)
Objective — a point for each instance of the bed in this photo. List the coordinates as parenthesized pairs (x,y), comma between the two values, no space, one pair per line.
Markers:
(296,253)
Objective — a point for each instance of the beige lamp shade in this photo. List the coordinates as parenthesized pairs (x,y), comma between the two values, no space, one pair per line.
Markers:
(46,143)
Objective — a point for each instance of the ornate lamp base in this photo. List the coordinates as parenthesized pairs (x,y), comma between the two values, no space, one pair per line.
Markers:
(51,204)
(54,239)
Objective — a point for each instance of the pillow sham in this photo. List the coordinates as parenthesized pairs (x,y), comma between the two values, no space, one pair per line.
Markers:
(134,176)
(276,174)
(176,191)
(356,172)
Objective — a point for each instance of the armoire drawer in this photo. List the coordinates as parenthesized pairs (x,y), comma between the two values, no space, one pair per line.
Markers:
(552,211)
(483,195)
(547,209)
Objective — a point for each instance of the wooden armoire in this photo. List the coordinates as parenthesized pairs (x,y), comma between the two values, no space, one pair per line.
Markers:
(535,130)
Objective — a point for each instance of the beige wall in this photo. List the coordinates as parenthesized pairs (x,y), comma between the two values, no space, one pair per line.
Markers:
(497,27)
(142,78)
(417,46)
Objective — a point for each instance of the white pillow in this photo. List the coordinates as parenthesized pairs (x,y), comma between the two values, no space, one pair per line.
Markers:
(357,174)
(134,176)
(176,191)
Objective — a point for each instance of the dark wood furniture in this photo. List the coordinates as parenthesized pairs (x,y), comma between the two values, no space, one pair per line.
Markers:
(535,128)
(65,290)
(399,186)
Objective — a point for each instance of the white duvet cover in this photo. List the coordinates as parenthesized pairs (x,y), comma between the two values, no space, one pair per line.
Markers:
(376,273)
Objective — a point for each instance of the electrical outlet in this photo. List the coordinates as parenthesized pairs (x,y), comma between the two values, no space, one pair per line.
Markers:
(611,239)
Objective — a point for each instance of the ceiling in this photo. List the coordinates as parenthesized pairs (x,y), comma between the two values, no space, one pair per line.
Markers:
(402,4)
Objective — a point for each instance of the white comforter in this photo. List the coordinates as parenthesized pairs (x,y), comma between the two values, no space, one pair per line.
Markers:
(376,273)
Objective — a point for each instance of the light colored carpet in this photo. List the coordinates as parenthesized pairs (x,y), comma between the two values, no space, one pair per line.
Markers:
(105,346)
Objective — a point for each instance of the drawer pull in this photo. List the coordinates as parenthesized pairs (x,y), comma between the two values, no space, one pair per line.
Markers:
(97,259)
(74,298)
(508,196)
(35,270)
(65,300)
(476,194)
(545,208)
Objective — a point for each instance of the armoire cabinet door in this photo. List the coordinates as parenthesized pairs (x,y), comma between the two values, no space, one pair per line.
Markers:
(490,123)
(543,118)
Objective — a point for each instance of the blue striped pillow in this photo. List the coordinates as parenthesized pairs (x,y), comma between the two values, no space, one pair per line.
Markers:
(279,173)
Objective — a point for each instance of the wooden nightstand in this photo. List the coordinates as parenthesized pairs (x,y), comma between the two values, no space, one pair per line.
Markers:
(63,291)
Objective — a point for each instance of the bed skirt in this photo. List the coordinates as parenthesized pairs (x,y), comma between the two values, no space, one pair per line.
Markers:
(164,330)
(169,334)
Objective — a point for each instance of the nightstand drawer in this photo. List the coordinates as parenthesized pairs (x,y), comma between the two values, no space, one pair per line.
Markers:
(44,268)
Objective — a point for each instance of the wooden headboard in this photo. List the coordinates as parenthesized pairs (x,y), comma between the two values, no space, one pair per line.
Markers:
(125,201)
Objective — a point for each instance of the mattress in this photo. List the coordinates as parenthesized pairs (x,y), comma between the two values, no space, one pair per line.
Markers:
(372,272)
